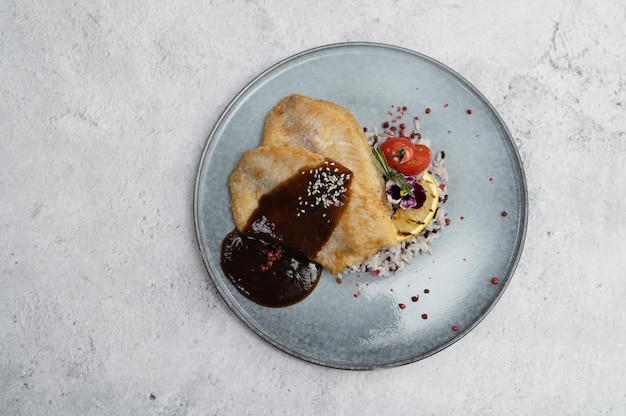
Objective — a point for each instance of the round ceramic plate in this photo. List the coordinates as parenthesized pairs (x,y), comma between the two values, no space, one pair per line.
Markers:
(358,323)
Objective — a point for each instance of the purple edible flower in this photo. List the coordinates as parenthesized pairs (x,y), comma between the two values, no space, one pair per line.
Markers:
(397,196)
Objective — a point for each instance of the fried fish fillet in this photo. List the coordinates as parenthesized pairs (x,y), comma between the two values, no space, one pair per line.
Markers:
(364,228)
(328,129)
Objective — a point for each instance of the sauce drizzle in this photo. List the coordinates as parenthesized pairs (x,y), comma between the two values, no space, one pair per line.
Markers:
(268,261)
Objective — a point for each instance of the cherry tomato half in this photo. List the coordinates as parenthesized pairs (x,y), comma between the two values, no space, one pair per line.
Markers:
(397,150)
(405,157)
(419,163)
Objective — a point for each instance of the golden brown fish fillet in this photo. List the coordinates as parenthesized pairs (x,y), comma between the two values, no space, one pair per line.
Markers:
(328,129)
(364,228)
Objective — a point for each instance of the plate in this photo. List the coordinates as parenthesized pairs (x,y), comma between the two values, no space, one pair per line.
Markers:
(358,324)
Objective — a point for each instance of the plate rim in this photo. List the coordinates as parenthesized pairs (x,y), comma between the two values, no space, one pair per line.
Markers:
(521,228)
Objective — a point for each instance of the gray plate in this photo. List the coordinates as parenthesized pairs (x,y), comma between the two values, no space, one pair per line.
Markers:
(332,327)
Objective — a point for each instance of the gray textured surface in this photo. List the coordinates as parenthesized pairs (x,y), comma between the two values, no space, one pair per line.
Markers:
(105,306)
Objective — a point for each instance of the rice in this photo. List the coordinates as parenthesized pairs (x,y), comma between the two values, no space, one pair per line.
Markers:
(392,260)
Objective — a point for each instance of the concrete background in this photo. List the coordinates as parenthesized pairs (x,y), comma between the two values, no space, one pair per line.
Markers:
(105,305)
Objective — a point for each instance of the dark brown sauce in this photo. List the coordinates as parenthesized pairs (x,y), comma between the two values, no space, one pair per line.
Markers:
(265,272)
(268,261)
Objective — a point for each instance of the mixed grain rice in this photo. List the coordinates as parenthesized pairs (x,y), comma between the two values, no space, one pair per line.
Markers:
(392,260)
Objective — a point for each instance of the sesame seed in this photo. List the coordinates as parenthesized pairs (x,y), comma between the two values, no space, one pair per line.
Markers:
(326,187)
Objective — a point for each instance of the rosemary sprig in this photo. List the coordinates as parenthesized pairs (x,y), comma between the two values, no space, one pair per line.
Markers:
(388,173)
